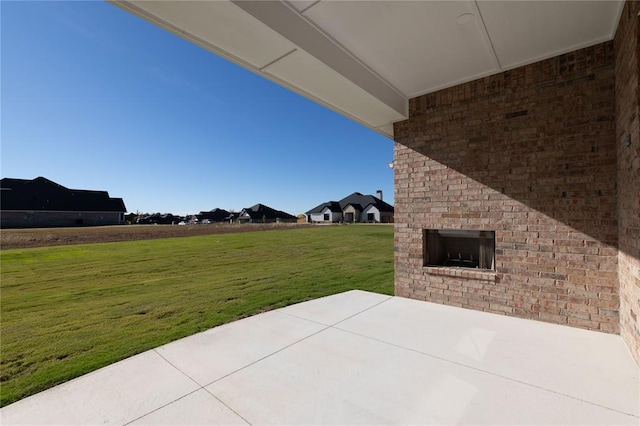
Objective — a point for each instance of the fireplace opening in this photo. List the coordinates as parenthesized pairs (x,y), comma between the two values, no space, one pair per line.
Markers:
(459,248)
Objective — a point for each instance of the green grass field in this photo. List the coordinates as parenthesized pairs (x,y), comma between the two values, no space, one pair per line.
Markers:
(68,310)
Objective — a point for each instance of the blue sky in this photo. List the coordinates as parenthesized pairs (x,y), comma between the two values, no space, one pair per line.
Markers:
(96,98)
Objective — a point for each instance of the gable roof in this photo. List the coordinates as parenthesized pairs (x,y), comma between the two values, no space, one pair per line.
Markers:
(318,209)
(41,194)
(217,215)
(260,211)
(334,206)
(357,200)
(356,206)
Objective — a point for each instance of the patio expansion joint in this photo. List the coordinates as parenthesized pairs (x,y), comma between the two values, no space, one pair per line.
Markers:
(342,320)
(200,387)
(203,387)
(265,357)
(229,407)
(363,311)
(489,373)
(325,327)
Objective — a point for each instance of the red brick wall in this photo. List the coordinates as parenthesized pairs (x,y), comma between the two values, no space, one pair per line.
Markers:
(627,65)
(531,154)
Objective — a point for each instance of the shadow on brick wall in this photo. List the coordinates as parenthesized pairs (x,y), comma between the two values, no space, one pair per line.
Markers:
(543,135)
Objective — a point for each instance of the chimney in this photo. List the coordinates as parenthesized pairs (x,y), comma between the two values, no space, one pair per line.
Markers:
(379,194)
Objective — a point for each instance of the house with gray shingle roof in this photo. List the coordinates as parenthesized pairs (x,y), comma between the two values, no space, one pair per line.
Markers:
(260,213)
(41,202)
(326,212)
(214,216)
(353,208)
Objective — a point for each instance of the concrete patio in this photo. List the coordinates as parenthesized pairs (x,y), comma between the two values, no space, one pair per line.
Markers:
(358,358)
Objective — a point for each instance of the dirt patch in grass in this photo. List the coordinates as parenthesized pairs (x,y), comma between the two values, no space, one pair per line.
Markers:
(43,237)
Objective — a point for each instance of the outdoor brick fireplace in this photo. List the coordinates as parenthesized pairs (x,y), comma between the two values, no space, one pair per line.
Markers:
(534,165)
(459,248)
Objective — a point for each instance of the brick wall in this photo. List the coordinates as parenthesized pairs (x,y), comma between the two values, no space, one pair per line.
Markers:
(628,143)
(530,154)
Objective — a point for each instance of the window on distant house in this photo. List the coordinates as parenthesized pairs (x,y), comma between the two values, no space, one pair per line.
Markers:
(459,248)
(326,216)
(371,217)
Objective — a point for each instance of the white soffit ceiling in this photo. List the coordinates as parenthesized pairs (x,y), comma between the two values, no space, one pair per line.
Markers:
(303,70)
(526,32)
(415,46)
(365,59)
(219,25)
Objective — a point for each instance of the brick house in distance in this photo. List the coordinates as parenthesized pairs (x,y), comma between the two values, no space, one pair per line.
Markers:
(516,137)
(41,203)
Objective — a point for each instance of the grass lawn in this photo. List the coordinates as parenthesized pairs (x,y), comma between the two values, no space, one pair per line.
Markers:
(68,310)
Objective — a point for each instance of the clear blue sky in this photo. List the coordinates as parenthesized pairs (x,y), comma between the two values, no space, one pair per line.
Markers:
(96,98)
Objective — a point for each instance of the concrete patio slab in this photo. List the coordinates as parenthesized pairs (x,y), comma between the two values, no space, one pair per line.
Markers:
(358,358)
(198,408)
(559,359)
(340,307)
(336,377)
(213,354)
(112,395)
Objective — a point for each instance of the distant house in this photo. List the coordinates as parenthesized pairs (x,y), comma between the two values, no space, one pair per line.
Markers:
(264,214)
(214,216)
(233,217)
(41,203)
(327,212)
(159,219)
(353,208)
(131,218)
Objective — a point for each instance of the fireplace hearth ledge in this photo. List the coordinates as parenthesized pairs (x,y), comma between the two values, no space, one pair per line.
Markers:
(458,272)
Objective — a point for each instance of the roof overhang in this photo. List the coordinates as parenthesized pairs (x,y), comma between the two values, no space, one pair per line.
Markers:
(366,59)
